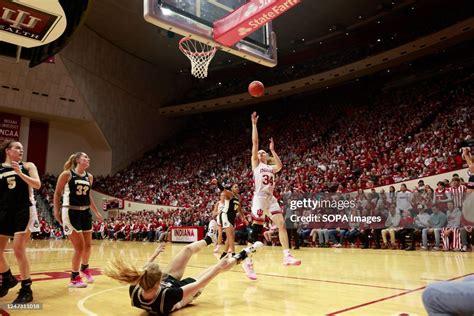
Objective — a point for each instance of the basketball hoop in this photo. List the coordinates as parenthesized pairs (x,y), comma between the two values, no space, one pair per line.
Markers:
(199,54)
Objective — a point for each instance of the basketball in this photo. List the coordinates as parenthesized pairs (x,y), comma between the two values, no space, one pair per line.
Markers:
(256,89)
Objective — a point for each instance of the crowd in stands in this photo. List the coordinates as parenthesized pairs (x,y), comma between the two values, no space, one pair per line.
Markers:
(402,134)
(399,219)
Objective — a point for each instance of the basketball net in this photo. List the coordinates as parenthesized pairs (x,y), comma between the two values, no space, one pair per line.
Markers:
(199,54)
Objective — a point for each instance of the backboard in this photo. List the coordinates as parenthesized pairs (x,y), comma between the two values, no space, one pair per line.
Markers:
(195,18)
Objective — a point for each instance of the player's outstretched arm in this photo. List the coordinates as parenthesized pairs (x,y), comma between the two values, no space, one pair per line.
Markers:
(254,158)
(278,165)
(158,250)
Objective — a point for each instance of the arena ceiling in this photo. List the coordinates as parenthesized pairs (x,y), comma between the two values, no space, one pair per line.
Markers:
(121,23)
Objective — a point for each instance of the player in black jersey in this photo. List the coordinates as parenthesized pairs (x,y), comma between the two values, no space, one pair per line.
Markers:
(164,291)
(228,215)
(17,181)
(74,184)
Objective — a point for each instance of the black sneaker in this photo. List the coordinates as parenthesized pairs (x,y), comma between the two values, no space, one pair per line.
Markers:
(25,295)
(7,283)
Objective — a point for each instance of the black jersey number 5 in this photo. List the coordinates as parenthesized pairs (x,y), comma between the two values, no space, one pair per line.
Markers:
(11,183)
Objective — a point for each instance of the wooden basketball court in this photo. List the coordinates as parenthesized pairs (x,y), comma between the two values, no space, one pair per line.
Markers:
(329,281)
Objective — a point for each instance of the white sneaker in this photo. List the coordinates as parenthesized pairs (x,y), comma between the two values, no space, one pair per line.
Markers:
(212,230)
(291,261)
(254,247)
(217,248)
(249,271)
(464,248)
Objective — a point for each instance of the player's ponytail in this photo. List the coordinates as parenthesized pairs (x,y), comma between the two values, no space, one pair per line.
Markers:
(5,145)
(71,163)
(147,278)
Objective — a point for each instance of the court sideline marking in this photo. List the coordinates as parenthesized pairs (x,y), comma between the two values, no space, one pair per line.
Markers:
(314,280)
(390,297)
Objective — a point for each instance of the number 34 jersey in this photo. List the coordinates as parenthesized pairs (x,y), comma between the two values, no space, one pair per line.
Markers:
(264,179)
(76,191)
(14,192)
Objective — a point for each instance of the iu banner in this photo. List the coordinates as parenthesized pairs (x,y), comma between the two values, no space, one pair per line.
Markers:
(31,23)
(9,127)
(186,233)
(249,18)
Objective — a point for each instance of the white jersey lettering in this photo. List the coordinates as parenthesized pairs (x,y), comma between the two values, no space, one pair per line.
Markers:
(264,179)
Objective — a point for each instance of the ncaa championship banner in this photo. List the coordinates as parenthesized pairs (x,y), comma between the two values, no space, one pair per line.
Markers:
(31,23)
(187,233)
(9,127)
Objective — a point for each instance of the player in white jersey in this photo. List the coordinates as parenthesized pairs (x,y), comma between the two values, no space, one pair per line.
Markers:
(264,203)
(220,213)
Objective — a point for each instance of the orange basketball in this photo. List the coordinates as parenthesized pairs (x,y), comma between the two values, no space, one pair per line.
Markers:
(256,89)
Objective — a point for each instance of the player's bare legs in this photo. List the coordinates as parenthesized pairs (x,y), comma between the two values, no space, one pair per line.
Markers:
(283,236)
(177,266)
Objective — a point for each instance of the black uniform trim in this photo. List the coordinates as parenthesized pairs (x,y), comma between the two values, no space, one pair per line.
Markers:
(77,192)
(163,303)
(80,221)
(14,201)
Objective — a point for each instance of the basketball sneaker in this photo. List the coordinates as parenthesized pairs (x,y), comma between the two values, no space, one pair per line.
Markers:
(212,230)
(86,273)
(77,282)
(25,295)
(248,264)
(249,271)
(6,284)
(290,261)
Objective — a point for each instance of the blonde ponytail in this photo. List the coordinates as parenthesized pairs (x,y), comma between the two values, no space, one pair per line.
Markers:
(147,278)
(71,163)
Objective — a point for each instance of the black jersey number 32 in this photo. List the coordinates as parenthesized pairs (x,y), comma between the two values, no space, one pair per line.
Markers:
(82,190)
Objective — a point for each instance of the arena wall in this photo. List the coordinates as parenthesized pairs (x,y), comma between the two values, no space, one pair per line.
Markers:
(123,94)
